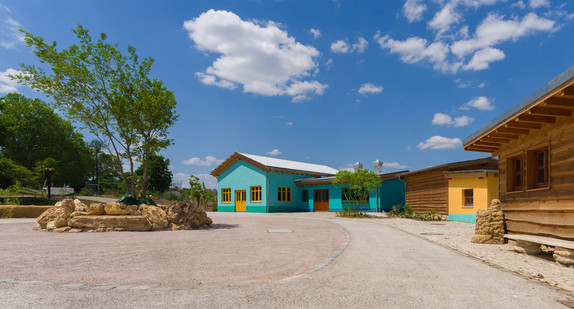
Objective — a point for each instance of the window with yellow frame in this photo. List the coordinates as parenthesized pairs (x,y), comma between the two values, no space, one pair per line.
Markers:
(284,194)
(256,194)
(226,195)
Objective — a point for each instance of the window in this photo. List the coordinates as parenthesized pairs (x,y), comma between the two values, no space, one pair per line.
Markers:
(256,194)
(305,196)
(515,167)
(226,195)
(537,168)
(468,197)
(284,194)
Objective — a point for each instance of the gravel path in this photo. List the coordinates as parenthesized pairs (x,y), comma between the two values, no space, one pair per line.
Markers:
(382,267)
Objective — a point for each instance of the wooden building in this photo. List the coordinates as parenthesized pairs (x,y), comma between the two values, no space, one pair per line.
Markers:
(534,141)
(427,189)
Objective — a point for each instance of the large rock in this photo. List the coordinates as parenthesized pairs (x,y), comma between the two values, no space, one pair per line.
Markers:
(104,223)
(121,209)
(63,211)
(564,256)
(523,246)
(155,215)
(184,216)
(47,216)
(95,209)
(489,228)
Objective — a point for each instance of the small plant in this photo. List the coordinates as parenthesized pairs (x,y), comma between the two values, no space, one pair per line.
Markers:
(12,201)
(7,215)
(86,192)
(408,212)
(351,214)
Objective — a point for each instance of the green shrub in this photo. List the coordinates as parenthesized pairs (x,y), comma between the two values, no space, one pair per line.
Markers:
(12,201)
(86,192)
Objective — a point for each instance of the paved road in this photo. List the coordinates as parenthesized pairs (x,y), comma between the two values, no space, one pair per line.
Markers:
(382,267)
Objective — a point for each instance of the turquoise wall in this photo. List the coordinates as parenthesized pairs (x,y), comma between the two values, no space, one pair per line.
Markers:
(462,218)
(242,176)
(392,192)
(334,198)
(278,179)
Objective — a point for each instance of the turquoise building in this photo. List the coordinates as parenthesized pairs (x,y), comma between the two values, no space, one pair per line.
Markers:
(253,183)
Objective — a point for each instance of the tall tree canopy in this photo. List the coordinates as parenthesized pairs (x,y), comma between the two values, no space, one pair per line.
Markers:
(160,176)
(111,94)
(356,187)
(35,132)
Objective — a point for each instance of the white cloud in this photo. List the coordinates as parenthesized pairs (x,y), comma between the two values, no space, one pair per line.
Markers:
(209,181)
(482,103)
(289,123)
(183,177)
(462,121)
(444,18)
(413,10)
(440,142)
(520,4)
(538,3)
(482,59)
(315,32)
(8,85)
(11,36)
(262,58)
(494,29)
(394,165)
(275,152)
(340,46)
(441,119)
(208,161)
(343,47)
(368,88)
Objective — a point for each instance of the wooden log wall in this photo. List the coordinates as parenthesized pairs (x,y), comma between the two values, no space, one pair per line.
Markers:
(427,191)
(545,212)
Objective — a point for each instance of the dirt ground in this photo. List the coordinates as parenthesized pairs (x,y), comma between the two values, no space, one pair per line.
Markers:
(237,249)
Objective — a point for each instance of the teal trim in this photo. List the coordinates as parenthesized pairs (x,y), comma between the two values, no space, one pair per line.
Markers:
(462,218)
(283,208)
(258,209)
(226,208)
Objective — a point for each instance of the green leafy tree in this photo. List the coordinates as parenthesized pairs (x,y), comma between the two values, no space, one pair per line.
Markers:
(47,167)
(14,174)
(111,94)
(35,132)
(197,190)
(160,176)
(356,187)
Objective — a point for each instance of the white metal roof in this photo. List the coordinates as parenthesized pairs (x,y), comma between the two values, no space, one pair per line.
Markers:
(291,165)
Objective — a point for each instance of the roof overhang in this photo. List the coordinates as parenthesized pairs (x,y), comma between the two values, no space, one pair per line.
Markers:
(469,174)
(547,104)
(329,179)
(461,165)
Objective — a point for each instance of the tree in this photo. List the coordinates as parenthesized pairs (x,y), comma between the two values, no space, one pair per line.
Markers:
(14,174)
(160,176)
(197,190)
(356,187)
(47,167)
(35,132)
(111,94)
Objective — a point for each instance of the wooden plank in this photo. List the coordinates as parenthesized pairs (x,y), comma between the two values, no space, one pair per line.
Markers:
(525,125)
(540,217)
(536,119)
(568,91)
(517,227)
(554,242)
(480,149)
(504,135)
(485,143)
(562,102)
(513,130)
(550,111)
(495,140)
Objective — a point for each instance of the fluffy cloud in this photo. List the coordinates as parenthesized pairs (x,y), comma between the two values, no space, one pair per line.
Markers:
(413,10)
(262,58)
(444,119)
(482,103)
(342,47)
(315,32)
(538,3)
(8,85)
(368,88)
(482,59)
(274,152)
(394,165)
(209,181)
(12,36)
(289,123)
(440,142)
(208,161)
(444,18)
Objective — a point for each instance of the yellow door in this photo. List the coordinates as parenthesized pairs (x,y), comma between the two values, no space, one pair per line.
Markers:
(240,203)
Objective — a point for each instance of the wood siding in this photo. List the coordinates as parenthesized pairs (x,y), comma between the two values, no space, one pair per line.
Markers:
(428,190)
(548,211)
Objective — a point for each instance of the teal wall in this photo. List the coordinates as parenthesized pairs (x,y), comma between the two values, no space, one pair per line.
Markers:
(241,176)
(278,179)
(462,218)
(392,192)
(334,198)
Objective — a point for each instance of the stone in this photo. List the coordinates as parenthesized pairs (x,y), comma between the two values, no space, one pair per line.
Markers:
(527,247)
(564,256)
(50,226)
(45,217)
(80,207)
(184,216)
(96,209)
(489,228)
(155,215)
(120,209)
(62,229)
(103,223)
(63,210)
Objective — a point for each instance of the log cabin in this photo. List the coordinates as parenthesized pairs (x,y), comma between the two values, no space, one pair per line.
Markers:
(534,141)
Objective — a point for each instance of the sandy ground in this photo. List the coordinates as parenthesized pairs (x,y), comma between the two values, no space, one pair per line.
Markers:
(238,249)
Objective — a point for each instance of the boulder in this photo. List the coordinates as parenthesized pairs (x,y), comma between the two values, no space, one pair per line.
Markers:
(564,256)
(45,217)
(105,223)
(155,215)
(95,209)
(63,210)
(523,246)
(184,216)
(121,209)
(489,228)
(80,207)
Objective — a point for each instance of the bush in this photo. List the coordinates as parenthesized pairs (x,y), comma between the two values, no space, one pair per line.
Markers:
(86,192)
(351,214)
(408,212)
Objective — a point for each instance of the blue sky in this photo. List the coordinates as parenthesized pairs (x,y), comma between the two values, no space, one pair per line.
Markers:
(327,82)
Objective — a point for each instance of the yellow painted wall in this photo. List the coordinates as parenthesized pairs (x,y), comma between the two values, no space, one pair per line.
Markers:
(485,190)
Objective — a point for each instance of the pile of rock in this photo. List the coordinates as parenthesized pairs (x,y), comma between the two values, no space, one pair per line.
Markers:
(489,227)
(74,216)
